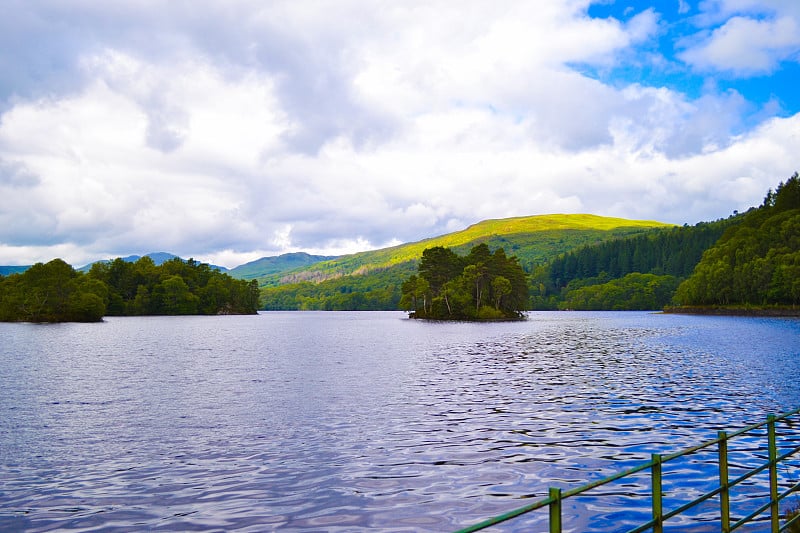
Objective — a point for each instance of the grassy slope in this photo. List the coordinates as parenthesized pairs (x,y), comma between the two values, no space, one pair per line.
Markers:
(532,239)
(274,265)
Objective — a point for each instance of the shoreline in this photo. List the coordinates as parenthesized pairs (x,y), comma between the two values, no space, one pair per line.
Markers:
(735,311)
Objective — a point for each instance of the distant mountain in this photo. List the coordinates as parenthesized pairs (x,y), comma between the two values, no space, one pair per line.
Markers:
(6,270)
(267,266)
(158,258)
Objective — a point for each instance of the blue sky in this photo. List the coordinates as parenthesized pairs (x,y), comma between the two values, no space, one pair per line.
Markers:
(233,130)
(685,29)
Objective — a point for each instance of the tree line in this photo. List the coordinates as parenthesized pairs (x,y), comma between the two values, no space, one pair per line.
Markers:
(56,292)
(481,285)
(609,275)
(756,263)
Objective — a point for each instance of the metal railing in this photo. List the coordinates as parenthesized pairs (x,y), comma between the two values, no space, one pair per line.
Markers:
(724,488)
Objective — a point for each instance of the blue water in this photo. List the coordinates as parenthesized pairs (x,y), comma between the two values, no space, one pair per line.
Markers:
(369,421)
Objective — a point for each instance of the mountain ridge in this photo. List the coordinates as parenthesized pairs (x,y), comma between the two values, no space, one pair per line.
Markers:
(532,239)
(513,232)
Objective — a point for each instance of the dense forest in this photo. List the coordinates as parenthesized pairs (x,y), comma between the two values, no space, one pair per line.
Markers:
(481,285)
(175,287)
(52,292)
(55,292)
(757,262)
(609,275)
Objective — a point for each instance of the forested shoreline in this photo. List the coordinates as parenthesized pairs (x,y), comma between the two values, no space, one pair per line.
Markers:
(56,292)
(635,273)
(755,264)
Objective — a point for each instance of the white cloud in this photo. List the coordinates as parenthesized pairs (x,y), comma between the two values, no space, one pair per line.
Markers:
(747,46)
(347,127)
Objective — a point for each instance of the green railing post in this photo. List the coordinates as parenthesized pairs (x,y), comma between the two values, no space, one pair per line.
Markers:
(724,495)
(724,489)
(773,475)
(658,520)
(555,510)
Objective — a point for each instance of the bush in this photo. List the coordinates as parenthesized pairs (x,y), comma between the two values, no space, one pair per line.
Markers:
(490,313)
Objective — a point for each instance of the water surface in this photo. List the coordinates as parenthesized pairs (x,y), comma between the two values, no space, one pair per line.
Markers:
(356,421)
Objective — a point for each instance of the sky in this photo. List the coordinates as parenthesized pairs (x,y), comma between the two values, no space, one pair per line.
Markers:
(237,129)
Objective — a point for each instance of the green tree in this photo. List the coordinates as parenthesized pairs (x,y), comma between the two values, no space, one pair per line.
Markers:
(52,292)
(466,287)
(501,288)
(175,296)
(753,263)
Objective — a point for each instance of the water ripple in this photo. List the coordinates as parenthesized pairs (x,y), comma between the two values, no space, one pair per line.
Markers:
(361,421)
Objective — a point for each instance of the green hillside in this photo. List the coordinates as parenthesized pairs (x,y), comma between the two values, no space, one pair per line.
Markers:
(371,280)
(273,265)
(532,239)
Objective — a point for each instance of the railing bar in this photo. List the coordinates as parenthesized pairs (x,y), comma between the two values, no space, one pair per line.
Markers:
(789,491)
(748,475)
(606,480)
(506,516)
(775,511)
(752,515)
(724,484)
(685,507)
(584,488)
(784,416)
(555,510)
(788,454)
(691,450)
(656,494)
(712,442)
(579,490)
(689,505)
(644,527)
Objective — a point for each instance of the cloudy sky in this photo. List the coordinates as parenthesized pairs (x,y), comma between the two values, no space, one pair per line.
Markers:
(231,130)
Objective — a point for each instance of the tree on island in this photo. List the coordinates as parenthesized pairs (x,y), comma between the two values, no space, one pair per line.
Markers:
(55,292)
(482,285)
(176,287)
(52,292)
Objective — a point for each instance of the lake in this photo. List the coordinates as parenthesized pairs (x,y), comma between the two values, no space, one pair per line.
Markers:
(299,421)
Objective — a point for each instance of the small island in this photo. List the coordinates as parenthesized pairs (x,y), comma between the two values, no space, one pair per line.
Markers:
(56,292)
(483,285)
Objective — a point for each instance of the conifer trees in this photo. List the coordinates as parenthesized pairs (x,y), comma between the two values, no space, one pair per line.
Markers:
(756,263)
(482,285)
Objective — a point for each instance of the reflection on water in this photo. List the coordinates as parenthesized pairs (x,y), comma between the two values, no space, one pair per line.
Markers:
(343,421)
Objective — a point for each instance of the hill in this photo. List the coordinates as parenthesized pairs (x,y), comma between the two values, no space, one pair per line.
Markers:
(267,266)
(533,240)
(6,270)
(371,280)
